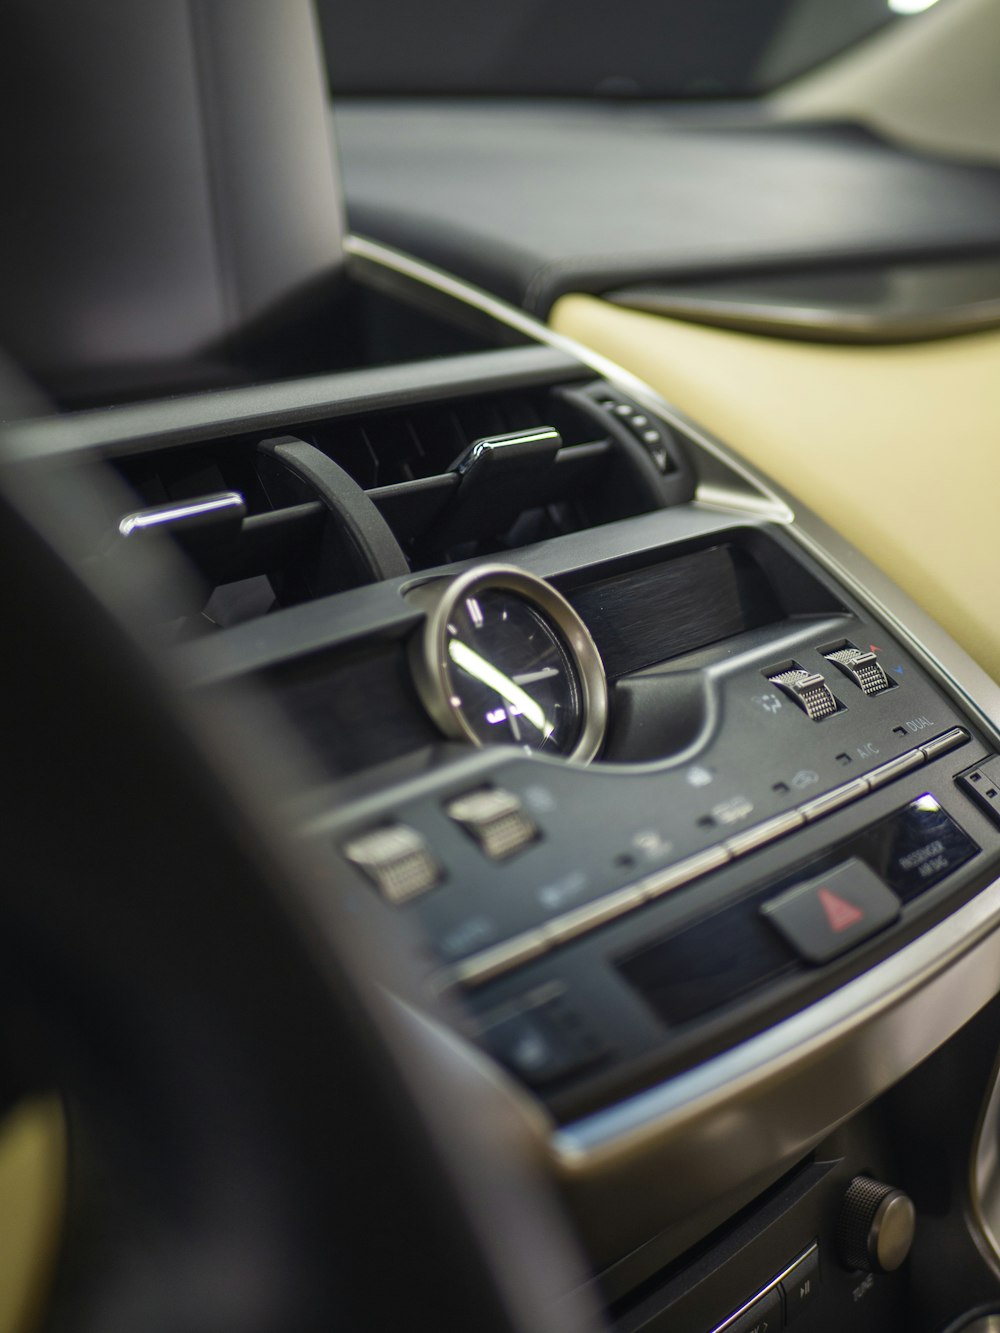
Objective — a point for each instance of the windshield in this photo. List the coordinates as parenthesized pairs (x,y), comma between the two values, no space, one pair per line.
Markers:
(629,48)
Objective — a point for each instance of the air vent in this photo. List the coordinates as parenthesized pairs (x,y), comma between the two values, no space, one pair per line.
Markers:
(339,503)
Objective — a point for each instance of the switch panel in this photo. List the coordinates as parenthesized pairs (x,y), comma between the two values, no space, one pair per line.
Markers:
(809,690)
(650,433)
(862,667)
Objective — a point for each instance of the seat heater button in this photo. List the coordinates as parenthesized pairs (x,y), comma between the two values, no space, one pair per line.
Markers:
(496,819)
(397,860)
(830,914)
(543,1043)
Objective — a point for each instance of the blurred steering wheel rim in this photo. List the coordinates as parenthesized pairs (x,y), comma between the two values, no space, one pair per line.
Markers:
(273,1153)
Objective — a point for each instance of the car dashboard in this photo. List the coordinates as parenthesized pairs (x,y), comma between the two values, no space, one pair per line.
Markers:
(682,818)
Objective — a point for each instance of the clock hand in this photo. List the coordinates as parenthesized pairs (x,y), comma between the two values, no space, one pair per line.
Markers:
(529,677)
(465,657)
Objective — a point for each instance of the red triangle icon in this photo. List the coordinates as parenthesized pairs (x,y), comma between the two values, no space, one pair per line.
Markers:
(840,914)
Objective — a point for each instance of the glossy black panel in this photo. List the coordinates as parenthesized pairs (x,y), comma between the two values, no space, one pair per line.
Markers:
(713,963)
(915,848)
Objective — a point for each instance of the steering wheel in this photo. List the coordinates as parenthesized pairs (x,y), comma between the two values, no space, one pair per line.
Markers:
(272,1147)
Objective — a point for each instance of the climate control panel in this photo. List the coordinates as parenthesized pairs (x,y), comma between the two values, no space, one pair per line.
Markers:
(602,918)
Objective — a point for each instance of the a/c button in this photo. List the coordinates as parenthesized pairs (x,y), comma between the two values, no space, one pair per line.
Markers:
(828,915)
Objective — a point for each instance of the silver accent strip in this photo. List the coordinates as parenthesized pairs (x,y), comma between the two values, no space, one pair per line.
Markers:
(571,925)
(483,967)
(766,1291)
(769,831)
(170,515)
(895,768)
(674,877)
(951,740)
(834,800)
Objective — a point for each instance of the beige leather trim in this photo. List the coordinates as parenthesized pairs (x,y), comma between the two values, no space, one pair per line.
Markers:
(898,448)
(929,81)
(32,1201)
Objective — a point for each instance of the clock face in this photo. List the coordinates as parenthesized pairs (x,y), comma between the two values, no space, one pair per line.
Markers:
(503,659)
(512,676)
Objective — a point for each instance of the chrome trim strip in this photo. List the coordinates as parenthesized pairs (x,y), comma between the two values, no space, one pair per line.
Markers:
(951,740)
(175,515)
(834,800)
(598,913)
(483,967)
(684,872)
(895,768)
(744,843)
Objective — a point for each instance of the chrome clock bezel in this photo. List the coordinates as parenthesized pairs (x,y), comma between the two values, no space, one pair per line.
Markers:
(432,667)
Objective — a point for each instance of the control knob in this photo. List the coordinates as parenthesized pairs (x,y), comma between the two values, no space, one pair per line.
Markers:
(876,1226)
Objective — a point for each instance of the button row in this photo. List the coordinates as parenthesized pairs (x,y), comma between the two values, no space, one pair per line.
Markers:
(399,862)
(647,432)
(530,944)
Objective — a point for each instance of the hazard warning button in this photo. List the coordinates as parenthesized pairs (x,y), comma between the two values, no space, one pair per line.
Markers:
(828,915)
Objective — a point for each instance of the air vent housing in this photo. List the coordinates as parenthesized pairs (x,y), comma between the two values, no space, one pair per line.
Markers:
(561,458)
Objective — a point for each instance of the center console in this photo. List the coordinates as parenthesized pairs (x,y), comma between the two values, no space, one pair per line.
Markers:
(689,842)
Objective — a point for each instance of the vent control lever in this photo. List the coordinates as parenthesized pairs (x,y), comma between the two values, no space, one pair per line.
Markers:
(500,476)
